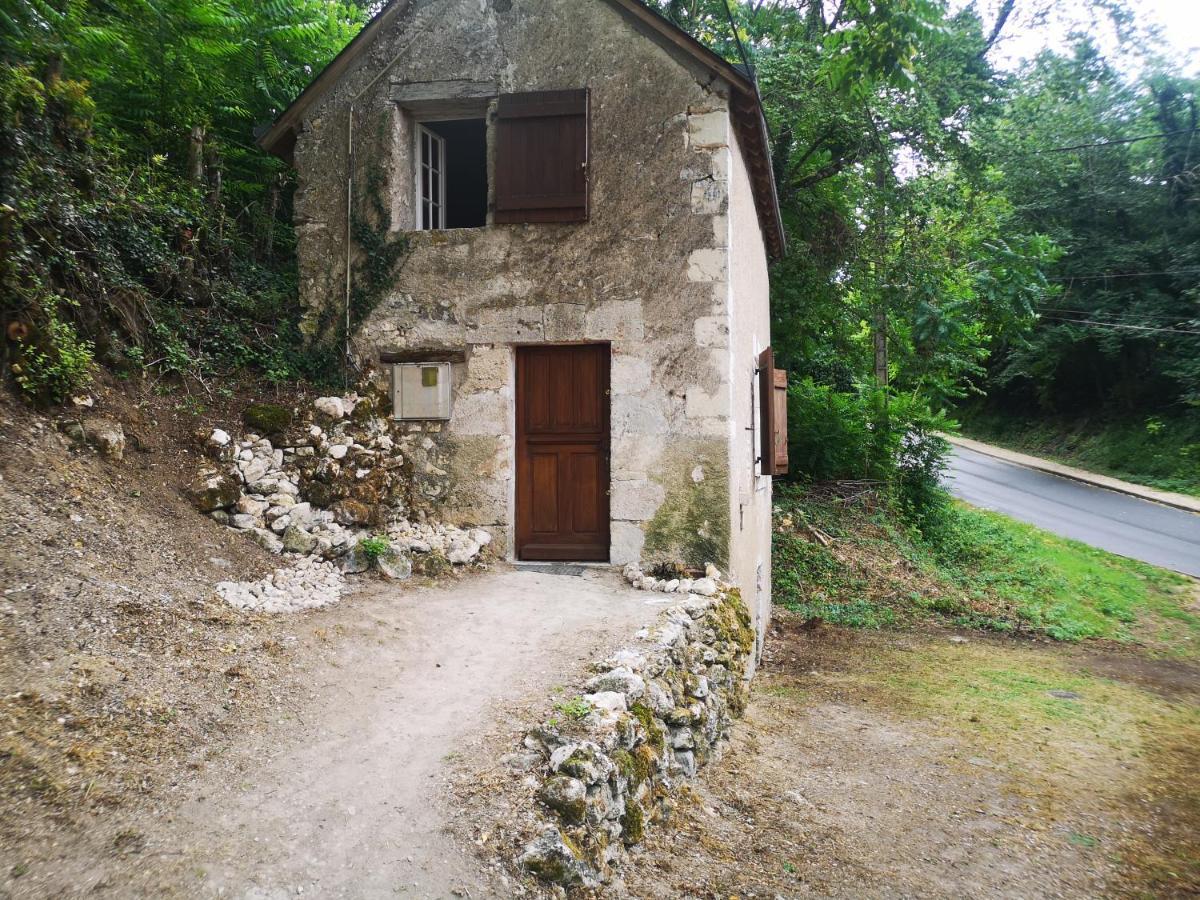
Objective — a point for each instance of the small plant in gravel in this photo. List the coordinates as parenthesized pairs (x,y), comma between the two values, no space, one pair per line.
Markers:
(374,547)
(576,708)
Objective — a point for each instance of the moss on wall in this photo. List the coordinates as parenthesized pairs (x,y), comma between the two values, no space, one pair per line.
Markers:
(692,524)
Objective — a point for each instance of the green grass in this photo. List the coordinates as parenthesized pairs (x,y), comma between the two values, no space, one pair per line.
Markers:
(1158,452)
(974,569)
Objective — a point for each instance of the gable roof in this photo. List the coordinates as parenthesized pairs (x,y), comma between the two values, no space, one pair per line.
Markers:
(745,106)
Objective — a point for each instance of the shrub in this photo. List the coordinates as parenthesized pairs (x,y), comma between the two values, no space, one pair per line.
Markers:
(374,547)
(871,434)
(53,362)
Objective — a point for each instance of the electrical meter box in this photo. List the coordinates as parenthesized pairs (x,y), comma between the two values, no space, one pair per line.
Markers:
(421,390)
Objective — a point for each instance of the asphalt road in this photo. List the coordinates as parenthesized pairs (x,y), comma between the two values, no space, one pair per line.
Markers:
(1126,525)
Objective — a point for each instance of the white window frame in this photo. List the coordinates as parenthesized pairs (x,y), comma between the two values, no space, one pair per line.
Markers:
(430,216)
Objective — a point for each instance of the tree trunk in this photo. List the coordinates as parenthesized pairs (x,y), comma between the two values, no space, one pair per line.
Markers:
(195,157)
(879,325)
(54,70)
(272,212)
(879,315)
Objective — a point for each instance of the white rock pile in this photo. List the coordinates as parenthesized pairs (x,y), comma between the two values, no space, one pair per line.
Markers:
(317,492)
(707,586)
(306,584)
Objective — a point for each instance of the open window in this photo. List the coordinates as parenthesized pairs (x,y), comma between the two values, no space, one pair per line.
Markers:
(452,177)
(540,174)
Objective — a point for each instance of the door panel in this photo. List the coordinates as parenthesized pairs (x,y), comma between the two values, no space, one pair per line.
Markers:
(544,475)
(562,452)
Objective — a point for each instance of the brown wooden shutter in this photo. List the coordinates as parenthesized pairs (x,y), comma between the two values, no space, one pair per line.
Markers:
(542,157)
(772,393)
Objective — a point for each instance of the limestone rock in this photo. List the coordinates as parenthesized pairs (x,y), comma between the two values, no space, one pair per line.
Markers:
(549,857)
(463,555)
(355,562)
(333,407)
(567,796)
(251,506)
(395,564)
(584,760)
(351,512)
(297,540)
(620,680)
(106,436)
(705,587)
(214,491)
(266,540)
(218,440)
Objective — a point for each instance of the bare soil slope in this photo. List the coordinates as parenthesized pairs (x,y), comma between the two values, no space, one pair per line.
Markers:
(116,661)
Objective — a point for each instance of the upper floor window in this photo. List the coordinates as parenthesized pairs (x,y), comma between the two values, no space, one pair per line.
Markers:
(452,177)
(540,163)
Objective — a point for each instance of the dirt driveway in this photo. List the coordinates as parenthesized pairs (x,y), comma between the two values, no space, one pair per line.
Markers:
(340,794)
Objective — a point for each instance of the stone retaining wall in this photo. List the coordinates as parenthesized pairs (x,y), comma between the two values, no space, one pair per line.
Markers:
(658,711)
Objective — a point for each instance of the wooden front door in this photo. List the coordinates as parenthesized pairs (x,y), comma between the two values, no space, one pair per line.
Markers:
(562,452)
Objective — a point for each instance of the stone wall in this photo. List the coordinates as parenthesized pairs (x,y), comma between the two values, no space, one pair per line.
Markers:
(648,273)
(658,711)
(750,334)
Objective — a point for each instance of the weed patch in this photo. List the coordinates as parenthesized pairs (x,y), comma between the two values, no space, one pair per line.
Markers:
(852,562)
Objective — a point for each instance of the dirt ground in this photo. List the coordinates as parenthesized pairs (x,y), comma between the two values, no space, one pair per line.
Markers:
(158,743)
(935,764)
(154,742)
(116,661)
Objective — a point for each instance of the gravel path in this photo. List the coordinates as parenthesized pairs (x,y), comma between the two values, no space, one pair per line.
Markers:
(342,796)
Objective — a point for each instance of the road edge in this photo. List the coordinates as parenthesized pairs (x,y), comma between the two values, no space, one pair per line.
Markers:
(1166,498)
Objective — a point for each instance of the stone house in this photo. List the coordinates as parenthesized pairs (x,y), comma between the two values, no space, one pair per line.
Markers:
(545,226)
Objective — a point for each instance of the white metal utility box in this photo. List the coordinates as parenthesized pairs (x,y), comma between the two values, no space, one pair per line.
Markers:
(421,390)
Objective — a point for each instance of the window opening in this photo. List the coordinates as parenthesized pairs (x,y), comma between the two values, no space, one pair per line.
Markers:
(452,178)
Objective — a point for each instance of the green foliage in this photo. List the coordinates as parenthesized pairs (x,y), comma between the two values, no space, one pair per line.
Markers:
(575,709)
(159,68)
(1160,452)
(381,252)
(973,568)
(56,363)
(130,186)
(374,547)
(874,435)
(1114,342)
(895,221)
(123,261)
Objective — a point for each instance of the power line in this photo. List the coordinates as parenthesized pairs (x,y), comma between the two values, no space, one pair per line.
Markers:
(1106,275)
(1117,327)
(1135,316)
(1100,145)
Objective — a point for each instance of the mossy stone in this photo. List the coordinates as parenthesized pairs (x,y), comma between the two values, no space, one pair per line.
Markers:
(432,565)
(633,824)
(269,419)
(654,735)
(566,796)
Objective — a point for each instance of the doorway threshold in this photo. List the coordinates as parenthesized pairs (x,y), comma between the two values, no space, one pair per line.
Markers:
(557,568)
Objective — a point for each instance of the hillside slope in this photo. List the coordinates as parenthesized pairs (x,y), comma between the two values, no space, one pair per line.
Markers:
(116,660)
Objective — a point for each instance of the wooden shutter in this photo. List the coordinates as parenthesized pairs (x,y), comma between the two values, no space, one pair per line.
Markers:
(772,393)
(542,157)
